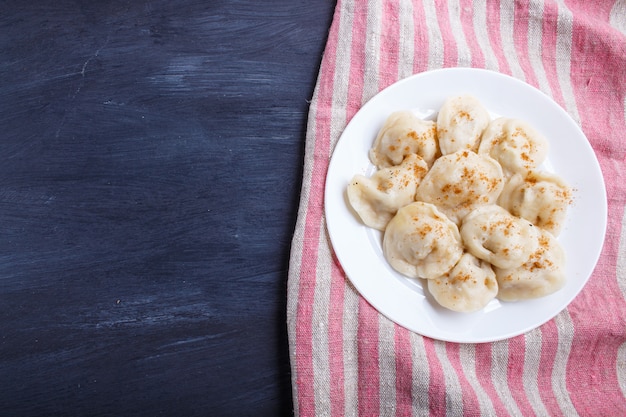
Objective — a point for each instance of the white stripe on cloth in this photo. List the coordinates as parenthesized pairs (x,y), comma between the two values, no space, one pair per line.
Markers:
(407,42)
(507,36)
(468,362)
(624,107)
(350,351)
(454,407)
(499,375)
(420,377)
(564,40)
(387,367)
(535,44)
(530,377)
(482,35)
(621,368)
(617,17)
(463,51)
(435,41)
(321,301)
(559,370)
(621,257)
(372,50)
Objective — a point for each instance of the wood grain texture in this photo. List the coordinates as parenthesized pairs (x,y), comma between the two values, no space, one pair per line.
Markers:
(150,167)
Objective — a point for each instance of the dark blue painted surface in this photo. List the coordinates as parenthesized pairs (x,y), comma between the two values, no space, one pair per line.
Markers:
(150,167)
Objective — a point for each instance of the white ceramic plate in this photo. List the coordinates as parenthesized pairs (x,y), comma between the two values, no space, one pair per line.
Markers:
(405,301)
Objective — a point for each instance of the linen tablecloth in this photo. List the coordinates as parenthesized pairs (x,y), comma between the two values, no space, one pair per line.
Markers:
(346,358)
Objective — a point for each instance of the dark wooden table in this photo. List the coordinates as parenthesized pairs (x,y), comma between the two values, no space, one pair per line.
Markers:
(150,169)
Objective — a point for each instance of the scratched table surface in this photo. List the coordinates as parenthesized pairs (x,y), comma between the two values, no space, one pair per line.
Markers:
(150,168)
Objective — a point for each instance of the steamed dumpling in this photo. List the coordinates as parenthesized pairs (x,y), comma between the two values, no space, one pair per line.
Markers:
(542,274)
(376,199)
(403,134)
(468,287)
(421,242)
(460,124)
(459,182)
(493,234)
(516,145)
(539,197)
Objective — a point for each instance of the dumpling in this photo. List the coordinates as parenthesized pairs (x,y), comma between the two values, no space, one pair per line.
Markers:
(493,234)
(468,287)
(541,275)
(421,242)
(460,124)
(539,197)
(376,199)
(516,145)
(459,182)
(403,134)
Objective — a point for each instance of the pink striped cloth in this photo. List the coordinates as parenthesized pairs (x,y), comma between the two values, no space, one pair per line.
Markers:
(346,358)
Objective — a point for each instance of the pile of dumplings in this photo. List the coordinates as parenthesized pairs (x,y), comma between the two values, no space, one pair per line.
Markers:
(463,205)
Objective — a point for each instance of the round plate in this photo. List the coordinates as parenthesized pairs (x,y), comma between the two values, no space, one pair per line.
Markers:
(406,301)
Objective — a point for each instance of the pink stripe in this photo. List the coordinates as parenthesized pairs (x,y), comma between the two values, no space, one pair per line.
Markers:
(493,21)
(470,400)
(306,291)
(450,52)
(515,374)
(598,50)
(592,12)
(357,61)
(390,45)
(483,373)
(593,371)
(437,384)
(369,372)
(549,346)
(335,339)
(520,39)
(598,334)
(404,372)
(548,42)
(467,20)
(421,47)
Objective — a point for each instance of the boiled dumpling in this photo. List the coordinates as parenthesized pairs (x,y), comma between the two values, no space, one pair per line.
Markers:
(468,287)
(539,197)
(403,134)
(493,234)
(516,145)
(376,199)
(421,242)
(460,124)
(459,182)
(542,274)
